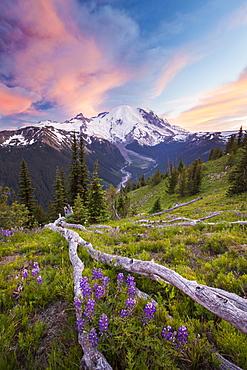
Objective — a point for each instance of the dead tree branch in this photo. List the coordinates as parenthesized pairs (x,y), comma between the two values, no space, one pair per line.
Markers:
(175,207)
(92,359)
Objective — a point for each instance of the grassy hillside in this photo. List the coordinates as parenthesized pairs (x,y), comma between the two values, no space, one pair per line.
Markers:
(38,320)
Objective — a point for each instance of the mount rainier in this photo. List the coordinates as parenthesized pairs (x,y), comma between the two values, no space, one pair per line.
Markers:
(125,140)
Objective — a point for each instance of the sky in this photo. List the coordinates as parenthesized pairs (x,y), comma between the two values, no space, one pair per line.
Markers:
(184,59)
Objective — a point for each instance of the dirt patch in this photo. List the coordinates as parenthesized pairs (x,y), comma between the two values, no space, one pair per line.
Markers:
(7,259)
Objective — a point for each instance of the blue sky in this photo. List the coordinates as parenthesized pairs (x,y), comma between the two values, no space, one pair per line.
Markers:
(184,59)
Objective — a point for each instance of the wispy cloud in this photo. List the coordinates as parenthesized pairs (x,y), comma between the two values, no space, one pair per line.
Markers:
(219,108)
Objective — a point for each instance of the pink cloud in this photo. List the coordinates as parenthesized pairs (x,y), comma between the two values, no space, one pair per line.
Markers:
(62,62)
(14,100)
(224,106)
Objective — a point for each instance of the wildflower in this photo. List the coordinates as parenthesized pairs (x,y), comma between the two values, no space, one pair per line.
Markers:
(80,323)
(130,280)
(130,302)
(36,270)
(99,291)
(89,310)
(182,335)
(96,274)
(39,279)
(103,323)
(124,313)
(105,283)
(131,291)
(167,333)
(120,279)
(25,274)
(93,337)
(148,312)
(77,304)
(85,287)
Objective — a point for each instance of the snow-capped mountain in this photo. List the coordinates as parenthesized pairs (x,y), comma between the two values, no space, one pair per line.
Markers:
(124,124)
(126,141)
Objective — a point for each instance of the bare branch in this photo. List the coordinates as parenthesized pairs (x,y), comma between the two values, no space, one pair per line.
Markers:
(175,207)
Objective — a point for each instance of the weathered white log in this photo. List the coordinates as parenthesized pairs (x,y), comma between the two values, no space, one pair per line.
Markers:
(228,306)
(177,219)
(92,358)
(175,207)
(227,365)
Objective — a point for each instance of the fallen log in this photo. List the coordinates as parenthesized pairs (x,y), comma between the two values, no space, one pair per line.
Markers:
(175,207)
(228,306)
(92,358)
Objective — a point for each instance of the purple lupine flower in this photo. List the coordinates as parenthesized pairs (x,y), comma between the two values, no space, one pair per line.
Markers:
(131,291)
(89,309)
(120,279)
(36,270)
(103,323)
(39,279)
(167,333)
(130,280)
(96,274)
(93,337)
(99,291)
(85,287)
(25,274)
(77,304)
(35,265)
(182,335)
(124,313)
(80,323)
(105,283)
(148,312)
(130,302)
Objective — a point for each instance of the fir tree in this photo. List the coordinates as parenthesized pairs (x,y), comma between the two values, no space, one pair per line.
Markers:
(74,171)
(238,177)
(83,173)
(182,182)
(172,181)
(194,176)
(156,177)
(60,192)
(111,194)
(97,202)
(80,213)
(240,136)
(25,188)
(156,206)
(123,204)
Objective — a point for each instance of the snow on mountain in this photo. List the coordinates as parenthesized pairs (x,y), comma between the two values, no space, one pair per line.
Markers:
(125,124)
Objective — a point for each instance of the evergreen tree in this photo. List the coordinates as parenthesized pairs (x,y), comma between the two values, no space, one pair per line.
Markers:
(74,171)
(238,177)
(194,176)
(215,153)
(182,182)
(156,177)
(128,186)
(25,188)
(123,204)
(60,193)
(181,165)
(83,173)
(156,206)
(172,181)
(80,213)
(231,144)
(240,136)
(97,202)
(111,194)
